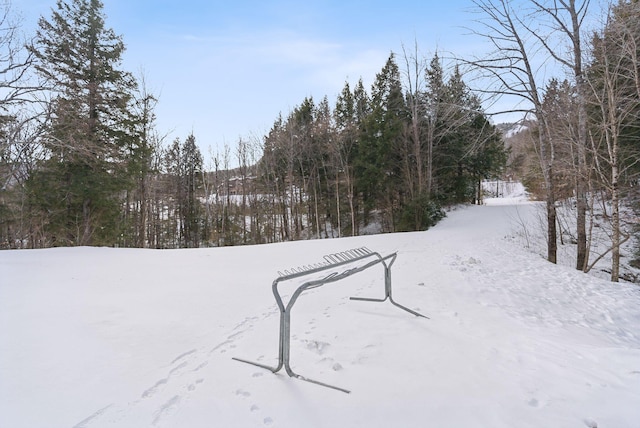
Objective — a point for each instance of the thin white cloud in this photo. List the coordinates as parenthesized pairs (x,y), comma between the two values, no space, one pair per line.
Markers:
(228,70)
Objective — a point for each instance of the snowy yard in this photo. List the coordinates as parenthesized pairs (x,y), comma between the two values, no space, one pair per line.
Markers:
(100,337)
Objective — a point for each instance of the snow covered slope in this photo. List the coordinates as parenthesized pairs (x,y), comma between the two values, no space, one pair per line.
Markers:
(99,337)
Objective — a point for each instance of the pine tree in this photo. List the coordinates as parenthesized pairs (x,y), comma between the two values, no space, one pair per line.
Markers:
(191,182)
(436,112)
(361,103)
(471,149)
(140,155)
(343,149)
(80,183)
(451,153)
(376,166)
(174,168)
(323,130)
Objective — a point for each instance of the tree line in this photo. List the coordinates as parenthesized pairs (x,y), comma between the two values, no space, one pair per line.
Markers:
(82,161)
(84,164)
(388,156)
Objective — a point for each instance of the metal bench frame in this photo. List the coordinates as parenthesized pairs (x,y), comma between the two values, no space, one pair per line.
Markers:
(344,259)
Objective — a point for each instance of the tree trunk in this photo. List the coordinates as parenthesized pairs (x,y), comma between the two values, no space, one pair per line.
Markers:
(142,231)
(547,163)
(339,214)
(86,222)
(615,223)
(552,242)
(581,225)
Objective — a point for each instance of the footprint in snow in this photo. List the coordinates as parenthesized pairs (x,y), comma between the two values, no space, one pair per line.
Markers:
(193,386)
(243,393)
(202,365)
(166,408)
(95,415)
(183,355)
(175,369)
(317,346)
(151,391)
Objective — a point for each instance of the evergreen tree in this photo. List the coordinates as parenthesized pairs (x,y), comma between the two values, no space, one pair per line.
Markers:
(471,149)
(276,174)
(299,127)
(141,169)
(80,184)
(451,154)
(343,149)
(323,193)
(377,166)
(174,169)
(191,182)
(361,103)
(436,118)
(345,110)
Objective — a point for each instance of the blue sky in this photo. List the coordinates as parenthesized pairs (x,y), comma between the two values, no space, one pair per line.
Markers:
(226,69)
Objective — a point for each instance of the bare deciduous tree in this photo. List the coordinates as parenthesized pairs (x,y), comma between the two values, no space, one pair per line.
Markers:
(615,91)
(550,34)
(15,61)
(567,19)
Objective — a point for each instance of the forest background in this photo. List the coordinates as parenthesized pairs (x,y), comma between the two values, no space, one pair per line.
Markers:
(82,161)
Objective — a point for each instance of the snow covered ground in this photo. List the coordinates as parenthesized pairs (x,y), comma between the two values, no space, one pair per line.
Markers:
(100,337)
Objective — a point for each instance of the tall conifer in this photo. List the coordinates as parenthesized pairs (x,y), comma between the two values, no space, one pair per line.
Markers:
(80,183)
(382,128)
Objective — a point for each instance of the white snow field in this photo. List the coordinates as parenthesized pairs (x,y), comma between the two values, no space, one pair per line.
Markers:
(101,337)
